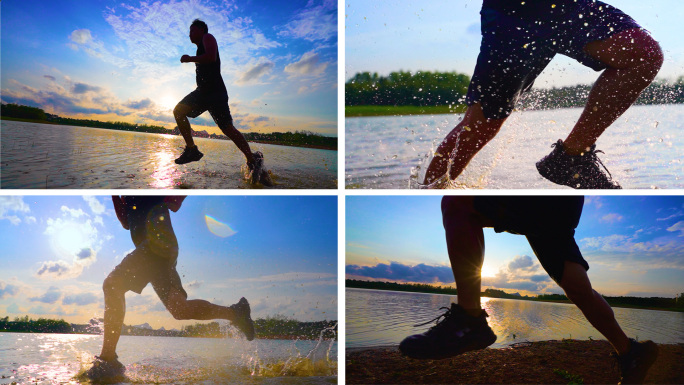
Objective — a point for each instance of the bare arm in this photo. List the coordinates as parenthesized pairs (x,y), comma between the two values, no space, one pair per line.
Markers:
(120,210)
(210,51)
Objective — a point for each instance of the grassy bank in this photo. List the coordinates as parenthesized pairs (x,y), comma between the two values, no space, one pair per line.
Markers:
(356,111)
(544,362)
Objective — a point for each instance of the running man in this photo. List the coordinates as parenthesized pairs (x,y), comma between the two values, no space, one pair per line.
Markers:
(549,224)
(211,95)
(519,38)
(153,261)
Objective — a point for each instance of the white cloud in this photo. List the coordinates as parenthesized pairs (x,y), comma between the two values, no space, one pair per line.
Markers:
(82,39)
(313,23)
(81,36)
(74,213)
(255,72)
(307,65)
(611,218)
(10,205)
(677,227)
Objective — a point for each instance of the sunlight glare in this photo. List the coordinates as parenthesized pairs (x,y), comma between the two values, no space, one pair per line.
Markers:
(69,240)
(168,102)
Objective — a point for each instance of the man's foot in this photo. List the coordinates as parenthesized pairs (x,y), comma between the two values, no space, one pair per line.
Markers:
(456,333)
(106,369)
(259,173)
(576,171)
(190,154)
(635,364)
(244,320)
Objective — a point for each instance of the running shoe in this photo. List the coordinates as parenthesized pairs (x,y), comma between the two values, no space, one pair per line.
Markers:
(244,320)
(259,172)
(576,171)
(634,365)
(190,154)
(455,332)
(110,369)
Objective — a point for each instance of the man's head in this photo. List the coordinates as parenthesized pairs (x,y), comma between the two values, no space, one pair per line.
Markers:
(197,29)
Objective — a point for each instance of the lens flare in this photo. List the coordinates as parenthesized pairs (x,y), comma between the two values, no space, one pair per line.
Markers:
(218,228)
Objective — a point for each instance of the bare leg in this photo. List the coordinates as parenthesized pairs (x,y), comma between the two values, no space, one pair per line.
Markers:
(181,114)
(237,138)
(470,136)
(183,309)
(115,311)
(634,59)
(465,245)
(578,288)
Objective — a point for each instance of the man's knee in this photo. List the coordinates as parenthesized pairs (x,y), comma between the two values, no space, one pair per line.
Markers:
(632,48)
(181,110)
(111,285)
(647,51)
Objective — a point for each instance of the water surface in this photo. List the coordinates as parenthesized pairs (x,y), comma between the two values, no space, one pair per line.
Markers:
(54,156)
(643,149)
(59,358)
(379,318)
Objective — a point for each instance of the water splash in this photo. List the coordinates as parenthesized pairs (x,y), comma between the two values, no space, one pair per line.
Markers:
(317,362)
(418,173)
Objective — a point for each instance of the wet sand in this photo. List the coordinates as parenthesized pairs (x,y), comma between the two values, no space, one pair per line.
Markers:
(545,362)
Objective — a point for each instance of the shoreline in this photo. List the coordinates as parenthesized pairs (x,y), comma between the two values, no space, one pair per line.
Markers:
(317,147)
(567,302)
(543,362)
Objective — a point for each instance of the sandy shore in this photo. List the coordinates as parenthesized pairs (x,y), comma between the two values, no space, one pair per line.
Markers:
(546,362)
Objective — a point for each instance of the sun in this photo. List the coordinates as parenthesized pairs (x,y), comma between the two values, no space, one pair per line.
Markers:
(167,102)
(69,240)
(488,271)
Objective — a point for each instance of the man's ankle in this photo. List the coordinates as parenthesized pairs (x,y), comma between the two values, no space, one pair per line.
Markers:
(575,150)
(108,357)
(474,312)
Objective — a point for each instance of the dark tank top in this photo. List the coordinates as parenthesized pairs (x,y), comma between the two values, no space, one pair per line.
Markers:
(208,75)
(150,224)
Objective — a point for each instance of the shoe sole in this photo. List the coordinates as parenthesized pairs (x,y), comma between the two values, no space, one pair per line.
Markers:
(476,345)
(651,354)
(192,160)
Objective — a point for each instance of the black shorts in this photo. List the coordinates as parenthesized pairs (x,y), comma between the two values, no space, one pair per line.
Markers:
(214,102)
(515,50)
(548,222)
(142,266)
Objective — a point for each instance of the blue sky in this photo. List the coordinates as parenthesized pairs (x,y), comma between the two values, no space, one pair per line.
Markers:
(385,36)
(634,245)
(120,61)
(282,256)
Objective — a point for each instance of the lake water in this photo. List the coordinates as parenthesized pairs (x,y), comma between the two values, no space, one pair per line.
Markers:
(59,358)
(380,318)
(52,156)
(643,149)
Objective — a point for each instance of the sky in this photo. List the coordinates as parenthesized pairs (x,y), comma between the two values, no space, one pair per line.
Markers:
(278,252)
(634,246)
(120,60)
(444,35)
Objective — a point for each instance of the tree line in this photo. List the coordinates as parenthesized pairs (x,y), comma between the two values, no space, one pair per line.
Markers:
(297,138)
(275,327)
(404,88)
(676,303)
(425,88)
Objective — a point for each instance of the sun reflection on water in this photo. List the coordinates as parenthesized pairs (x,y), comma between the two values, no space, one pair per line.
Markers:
(164,167)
